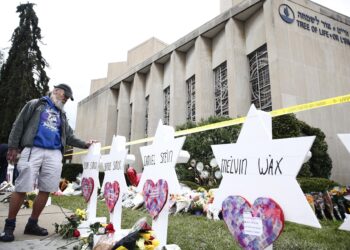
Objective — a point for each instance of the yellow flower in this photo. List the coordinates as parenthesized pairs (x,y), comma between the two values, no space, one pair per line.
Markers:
(30,203)
(146,236)
(121,248)
(155,242)
(80,213)
(149,247)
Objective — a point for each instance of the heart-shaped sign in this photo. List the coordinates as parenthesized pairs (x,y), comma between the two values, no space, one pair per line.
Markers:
(111,194)
(87,187)
(253,227)
(155,196)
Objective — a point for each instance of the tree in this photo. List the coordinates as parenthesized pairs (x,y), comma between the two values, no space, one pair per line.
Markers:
(23,75)
(2,57)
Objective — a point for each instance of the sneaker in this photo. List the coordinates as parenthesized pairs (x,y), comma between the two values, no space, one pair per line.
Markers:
(7,235)
(35,229)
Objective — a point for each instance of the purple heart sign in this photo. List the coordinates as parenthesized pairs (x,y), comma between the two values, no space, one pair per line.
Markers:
(155,196)
(253,227)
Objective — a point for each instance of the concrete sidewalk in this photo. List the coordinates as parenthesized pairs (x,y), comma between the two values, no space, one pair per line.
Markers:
(50,215)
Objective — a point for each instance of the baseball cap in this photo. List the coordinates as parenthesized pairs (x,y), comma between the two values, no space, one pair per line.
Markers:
(67,90)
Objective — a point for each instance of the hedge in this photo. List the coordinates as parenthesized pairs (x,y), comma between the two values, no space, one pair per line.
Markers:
(70,171)
(309,185)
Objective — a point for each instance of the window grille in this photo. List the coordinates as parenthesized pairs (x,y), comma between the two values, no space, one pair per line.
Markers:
(191,99)
(220,90)
(146,116)
(130,121)
(166,114)
(260,79)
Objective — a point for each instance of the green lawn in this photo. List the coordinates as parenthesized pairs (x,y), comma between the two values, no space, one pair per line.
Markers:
(197,232)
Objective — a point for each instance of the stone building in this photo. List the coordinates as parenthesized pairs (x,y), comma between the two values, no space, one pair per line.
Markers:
(273,53)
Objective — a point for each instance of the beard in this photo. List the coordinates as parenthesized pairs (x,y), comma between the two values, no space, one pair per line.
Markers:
(58,103)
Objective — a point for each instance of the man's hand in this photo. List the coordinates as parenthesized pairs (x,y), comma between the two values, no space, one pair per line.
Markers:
(12,154)
(89,142)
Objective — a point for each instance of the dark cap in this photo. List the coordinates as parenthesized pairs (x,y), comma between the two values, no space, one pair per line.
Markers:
(67,90)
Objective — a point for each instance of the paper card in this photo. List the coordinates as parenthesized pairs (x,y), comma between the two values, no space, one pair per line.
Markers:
(258,166)
(159,160)
(114,180)
(90,174)
(252,225)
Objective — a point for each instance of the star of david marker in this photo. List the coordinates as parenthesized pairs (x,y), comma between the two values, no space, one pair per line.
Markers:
(159,161)
(114,180)
(90,172)
(346,224)
(258,166)
(345,139)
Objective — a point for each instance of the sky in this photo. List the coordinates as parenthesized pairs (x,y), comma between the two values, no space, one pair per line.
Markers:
(80,37)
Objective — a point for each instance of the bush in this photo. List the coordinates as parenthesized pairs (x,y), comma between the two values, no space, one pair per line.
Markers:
(70,171)
(285,126)
(190,184)
(199,144)
(320,164)
(309,185)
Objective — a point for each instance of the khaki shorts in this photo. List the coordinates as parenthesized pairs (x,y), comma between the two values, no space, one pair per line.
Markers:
(39,168)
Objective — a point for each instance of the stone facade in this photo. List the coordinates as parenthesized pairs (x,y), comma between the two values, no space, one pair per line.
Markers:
(304,49)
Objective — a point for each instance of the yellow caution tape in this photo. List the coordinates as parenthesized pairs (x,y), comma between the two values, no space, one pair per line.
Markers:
(277,112)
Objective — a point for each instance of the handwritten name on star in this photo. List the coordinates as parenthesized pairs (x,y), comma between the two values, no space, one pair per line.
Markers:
(262,166)
(114,165)
(90,165)
(165,157)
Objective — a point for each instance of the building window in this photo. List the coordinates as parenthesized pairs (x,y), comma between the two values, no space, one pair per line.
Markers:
(260,79)
(220,90)
(130,121)
(117,121)
(146,116)
(191,99)
(166,114)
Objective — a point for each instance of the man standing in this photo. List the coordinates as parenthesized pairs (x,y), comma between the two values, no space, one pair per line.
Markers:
(41,131)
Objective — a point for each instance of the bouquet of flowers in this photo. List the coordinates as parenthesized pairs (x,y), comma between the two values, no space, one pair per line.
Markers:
(70,228)
(140,237)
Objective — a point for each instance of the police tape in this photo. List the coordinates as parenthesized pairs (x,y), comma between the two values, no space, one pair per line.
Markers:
(277,112)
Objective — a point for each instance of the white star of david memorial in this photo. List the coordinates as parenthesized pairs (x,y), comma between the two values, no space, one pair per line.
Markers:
(159,160)
(90,169)
(113,166)
(345,139)
(346,224)
(258,166)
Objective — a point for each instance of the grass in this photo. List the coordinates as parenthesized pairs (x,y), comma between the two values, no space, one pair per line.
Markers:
(191,232)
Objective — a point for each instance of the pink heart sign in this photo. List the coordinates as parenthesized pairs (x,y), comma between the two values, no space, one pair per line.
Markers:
(111,194)
(87,187)
(155,196)
(253,227)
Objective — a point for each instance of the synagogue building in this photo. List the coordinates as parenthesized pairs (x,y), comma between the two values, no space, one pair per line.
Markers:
(273,53)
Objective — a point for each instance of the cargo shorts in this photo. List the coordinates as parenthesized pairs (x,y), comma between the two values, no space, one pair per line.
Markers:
(39,168)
